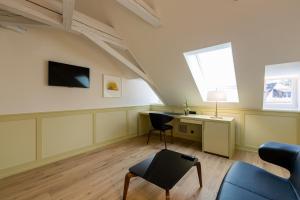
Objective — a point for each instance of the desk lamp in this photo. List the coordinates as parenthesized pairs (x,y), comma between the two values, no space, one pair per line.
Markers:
(216,96)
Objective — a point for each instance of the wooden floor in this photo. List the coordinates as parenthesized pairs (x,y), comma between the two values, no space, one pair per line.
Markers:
(100,175)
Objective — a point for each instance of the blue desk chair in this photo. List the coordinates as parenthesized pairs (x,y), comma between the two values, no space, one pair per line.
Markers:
(159,123)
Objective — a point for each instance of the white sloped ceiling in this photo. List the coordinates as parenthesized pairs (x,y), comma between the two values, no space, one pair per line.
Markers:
(262,33)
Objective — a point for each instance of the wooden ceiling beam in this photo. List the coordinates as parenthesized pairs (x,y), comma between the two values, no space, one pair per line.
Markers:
(13,27)
(68,10)
(83,29)
(78,16)
(81,21)
(17,19)
(32,11)
(93,23)
(141,9)
(118,56)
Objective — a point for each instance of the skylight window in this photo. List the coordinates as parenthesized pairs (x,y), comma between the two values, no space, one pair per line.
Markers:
(213,69)
(281,87)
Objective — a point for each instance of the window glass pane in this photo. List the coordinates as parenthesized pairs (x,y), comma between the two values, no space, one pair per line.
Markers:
(278,91)
(213,68)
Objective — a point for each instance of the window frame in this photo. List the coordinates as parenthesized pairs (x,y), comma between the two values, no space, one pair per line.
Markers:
(199,81)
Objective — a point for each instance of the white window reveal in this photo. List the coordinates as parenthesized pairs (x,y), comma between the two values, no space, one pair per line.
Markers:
(213,69)
(281,87)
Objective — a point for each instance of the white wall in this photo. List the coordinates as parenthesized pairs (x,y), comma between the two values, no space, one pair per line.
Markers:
(23,74)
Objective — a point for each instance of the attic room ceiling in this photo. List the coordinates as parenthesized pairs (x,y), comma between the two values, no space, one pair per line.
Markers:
(153,35)
(261,33)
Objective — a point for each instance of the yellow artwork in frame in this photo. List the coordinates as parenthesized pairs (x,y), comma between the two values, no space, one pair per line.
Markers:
(112,86)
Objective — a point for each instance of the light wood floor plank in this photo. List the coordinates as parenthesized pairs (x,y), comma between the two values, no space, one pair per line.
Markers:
(100,174)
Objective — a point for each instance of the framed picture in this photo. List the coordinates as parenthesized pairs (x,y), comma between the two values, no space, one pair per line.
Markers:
(112,86)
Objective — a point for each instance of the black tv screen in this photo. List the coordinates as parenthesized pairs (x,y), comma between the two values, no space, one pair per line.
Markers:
(60,74)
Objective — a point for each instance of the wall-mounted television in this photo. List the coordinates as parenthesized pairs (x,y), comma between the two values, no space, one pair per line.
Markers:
(60,74)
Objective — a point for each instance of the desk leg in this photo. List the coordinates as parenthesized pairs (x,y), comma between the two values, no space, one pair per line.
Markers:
(126,184)
(167,195)
(149,134)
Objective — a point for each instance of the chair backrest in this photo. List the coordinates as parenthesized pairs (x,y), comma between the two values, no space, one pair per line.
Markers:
(295,174)
(286,156)
(158,120)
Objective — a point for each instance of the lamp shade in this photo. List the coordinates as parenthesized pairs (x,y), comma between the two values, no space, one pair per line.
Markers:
(216,96)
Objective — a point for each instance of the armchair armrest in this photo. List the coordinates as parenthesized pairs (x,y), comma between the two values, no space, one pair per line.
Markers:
(280,154)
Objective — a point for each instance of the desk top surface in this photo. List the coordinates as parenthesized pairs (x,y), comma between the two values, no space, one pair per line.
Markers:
(192,116)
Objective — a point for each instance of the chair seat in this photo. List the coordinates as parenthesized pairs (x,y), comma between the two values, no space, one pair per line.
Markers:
(247,182)
(166,127)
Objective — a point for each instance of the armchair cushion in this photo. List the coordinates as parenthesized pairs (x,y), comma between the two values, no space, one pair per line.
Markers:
(284,155)
(245,181)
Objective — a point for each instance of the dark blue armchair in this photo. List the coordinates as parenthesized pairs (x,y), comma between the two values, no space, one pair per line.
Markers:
(247,182)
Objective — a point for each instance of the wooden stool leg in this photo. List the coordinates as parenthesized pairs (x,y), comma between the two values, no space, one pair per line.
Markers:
(167,195)
(165,139)
(198,165)
(149,134)
(126,184)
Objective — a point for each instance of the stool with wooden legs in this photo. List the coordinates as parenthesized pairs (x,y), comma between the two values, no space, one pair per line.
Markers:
(156,169)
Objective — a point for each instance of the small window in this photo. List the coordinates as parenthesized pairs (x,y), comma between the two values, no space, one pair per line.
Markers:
(281,90)
(213,69)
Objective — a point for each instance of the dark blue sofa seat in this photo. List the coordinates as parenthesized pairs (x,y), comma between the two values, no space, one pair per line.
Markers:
(248,182)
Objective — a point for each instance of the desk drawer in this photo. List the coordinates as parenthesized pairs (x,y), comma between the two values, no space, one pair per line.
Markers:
(191,121)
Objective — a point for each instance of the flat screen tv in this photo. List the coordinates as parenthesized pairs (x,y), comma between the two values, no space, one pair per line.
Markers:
(60,74)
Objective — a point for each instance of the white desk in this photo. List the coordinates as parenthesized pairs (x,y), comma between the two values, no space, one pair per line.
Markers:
(218,134)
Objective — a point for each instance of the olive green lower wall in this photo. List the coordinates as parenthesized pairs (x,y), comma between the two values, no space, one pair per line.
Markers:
(31,140)
(254,127)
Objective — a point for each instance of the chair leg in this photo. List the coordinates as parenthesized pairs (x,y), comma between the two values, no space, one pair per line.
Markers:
(167,195)
(172,138)
(160,135)
(149,134)
(165,139)
(198,165)
(126,184)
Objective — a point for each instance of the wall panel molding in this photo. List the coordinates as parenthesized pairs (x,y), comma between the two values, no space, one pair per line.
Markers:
(66,133)
(110,125)
(17,142)
(31,140)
